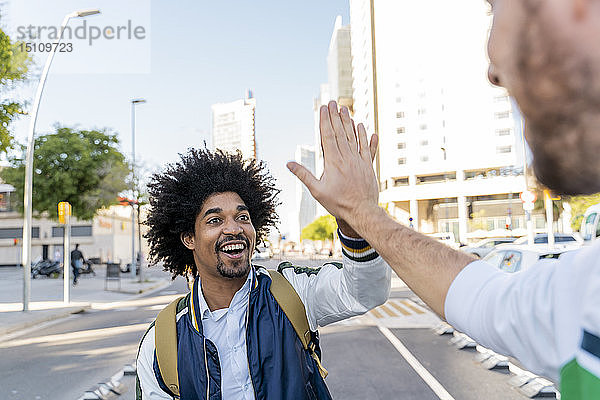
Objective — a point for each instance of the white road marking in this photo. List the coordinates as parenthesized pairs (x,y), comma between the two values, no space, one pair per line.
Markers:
(437,388)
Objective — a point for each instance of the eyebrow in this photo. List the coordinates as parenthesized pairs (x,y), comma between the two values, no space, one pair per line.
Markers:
(217,210)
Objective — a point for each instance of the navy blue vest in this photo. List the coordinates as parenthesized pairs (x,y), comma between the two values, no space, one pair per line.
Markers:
(279,366)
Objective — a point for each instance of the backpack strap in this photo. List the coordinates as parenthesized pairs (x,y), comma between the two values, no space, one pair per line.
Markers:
(165,338)
(292,306)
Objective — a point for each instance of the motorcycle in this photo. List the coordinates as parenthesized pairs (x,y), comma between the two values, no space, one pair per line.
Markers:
(46,267)
(87,268)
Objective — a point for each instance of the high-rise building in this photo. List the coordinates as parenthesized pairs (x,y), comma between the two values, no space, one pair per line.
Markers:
(233,126)
(447,153)
(306,205)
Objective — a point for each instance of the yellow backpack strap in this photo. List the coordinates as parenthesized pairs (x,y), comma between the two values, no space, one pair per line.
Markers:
(165,338)
(292,306)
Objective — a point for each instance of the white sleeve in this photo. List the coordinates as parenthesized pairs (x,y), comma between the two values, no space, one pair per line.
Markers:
(333,292)
(519,314)
(145,371)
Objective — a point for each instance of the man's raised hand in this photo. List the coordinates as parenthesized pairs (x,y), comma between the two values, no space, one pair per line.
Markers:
(348,183)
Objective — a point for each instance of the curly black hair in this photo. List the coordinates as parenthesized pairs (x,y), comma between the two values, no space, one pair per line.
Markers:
(178,193)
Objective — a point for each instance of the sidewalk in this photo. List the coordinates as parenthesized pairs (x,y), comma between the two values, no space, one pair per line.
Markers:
(46,301)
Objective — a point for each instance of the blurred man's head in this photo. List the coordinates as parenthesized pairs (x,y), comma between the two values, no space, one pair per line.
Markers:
(547,54)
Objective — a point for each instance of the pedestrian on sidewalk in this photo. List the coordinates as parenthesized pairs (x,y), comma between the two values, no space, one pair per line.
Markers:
(208,212)
(546,53)
(76,262)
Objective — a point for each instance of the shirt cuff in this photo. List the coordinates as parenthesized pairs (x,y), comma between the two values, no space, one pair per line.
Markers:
(463,293)
(357,249)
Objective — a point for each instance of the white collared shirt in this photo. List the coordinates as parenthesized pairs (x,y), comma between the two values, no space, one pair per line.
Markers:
(226,328)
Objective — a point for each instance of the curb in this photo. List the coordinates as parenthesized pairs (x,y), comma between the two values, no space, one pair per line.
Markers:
(145,290)
(525,382)
(112,388)
(74,310)
(43,318)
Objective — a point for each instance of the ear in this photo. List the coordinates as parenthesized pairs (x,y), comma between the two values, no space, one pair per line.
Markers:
(188,240)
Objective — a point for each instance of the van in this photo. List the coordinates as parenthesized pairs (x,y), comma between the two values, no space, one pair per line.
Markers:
(590,225)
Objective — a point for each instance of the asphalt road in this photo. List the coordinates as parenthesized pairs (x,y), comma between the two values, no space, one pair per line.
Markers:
(60,361)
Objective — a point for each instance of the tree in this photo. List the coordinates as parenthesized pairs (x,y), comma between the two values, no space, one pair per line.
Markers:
(578,206)
(82,167)
(14,65)
(322,228)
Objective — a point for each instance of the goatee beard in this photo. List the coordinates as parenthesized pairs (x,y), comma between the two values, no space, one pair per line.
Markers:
(239,269)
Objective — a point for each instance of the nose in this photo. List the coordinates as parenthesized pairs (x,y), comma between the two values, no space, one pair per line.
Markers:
(493,76)
(232,227)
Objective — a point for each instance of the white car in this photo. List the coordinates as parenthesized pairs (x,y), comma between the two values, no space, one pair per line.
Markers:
(445,237)
(485,246)
(262,253)
(559,239)
(514,257)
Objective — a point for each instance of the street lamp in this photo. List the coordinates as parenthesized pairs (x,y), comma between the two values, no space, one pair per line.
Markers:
(134,102)
(27,200)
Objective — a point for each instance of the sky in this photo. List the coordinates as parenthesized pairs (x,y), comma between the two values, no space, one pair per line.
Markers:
(191,54)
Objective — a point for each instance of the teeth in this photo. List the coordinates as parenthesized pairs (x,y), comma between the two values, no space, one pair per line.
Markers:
(232,247)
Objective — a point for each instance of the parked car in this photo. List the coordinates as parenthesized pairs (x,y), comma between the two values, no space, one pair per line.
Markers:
(515,257)
(445,237)
(485,246)
(262,253)
(590,225)
(559,239)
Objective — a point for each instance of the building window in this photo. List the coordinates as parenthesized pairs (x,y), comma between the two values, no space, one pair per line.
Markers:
(400,130)
(424,158)
(401,146)
(503,149)
(436,178)
(398,99)
(423,127)
(540,222)
(501,98)
(400,114)
(421,111)
(424,142)
(490,224)
(76,231)
(17,233)
(502,115)
(503,132)
(401,181)
(401,161)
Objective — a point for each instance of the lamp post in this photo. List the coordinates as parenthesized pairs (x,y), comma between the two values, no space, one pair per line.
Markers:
(133,258)
(27,200)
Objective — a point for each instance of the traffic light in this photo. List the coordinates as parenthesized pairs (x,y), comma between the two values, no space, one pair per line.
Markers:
(470,210)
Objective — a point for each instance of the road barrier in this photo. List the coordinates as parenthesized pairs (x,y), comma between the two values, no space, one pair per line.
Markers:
(526,382)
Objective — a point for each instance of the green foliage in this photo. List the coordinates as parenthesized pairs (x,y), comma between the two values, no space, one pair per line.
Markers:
(322,228)
(14,65)
(578,206)
(81,167)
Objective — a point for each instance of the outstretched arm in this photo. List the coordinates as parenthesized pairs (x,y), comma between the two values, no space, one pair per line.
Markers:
(348,189)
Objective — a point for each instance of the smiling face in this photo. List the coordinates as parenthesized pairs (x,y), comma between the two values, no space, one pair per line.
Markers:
(224,237)
(546,54)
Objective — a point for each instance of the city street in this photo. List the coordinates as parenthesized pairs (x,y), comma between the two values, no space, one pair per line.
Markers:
(64,358)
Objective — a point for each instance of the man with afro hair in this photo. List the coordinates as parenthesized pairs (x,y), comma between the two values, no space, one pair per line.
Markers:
(207,213)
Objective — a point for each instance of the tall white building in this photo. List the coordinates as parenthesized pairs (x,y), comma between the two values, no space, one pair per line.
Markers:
(447,137)
(233,126)
(306,206)
(338,86)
